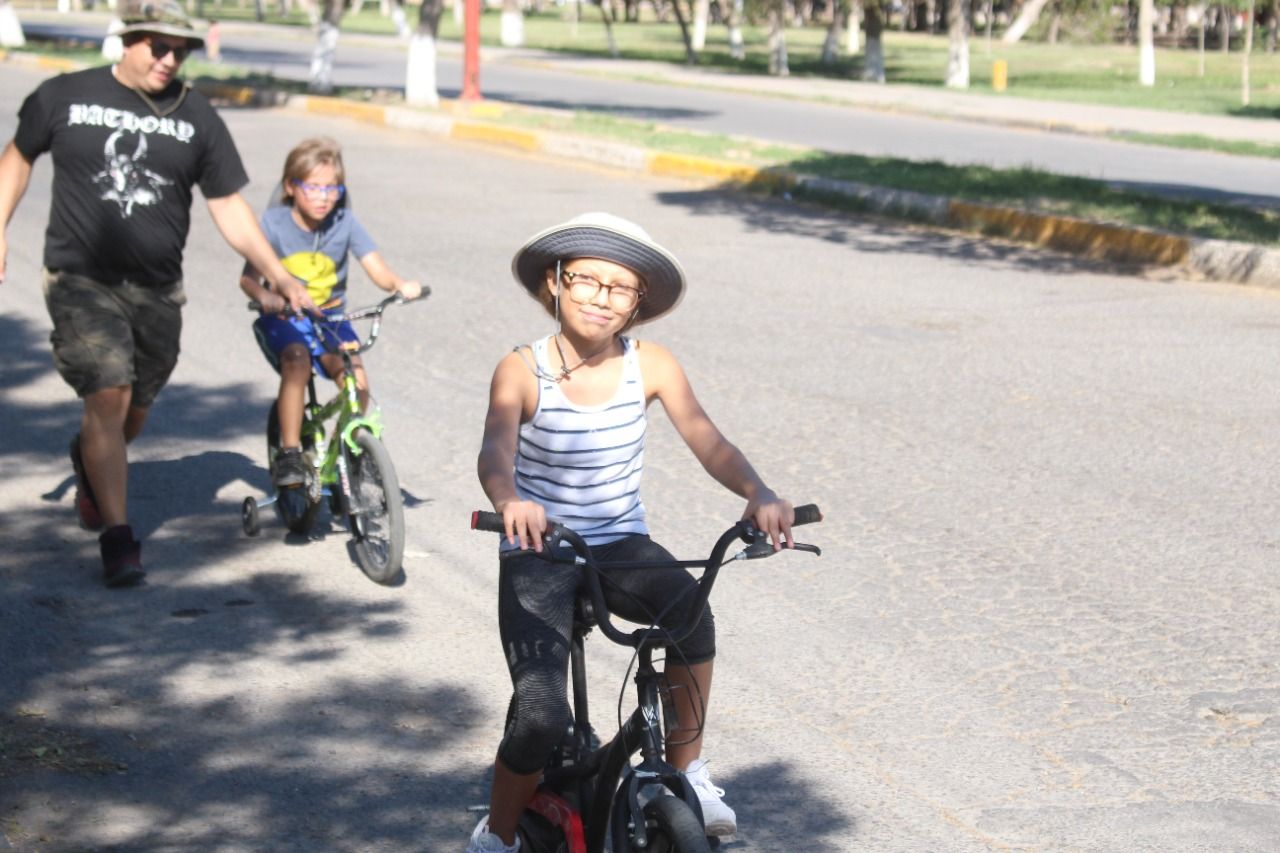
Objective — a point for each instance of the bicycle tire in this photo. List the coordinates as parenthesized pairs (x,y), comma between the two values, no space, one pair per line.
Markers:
(671,825)
(377,520)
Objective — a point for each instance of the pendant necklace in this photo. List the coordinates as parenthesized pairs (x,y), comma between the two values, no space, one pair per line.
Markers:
(565,369)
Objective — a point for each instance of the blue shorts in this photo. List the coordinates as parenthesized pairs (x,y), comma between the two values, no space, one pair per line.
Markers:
(274,333)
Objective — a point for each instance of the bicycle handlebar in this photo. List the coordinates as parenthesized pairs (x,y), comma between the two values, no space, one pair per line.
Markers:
(744,530)
(374,311)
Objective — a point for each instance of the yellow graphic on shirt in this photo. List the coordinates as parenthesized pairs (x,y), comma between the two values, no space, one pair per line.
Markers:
(316,270)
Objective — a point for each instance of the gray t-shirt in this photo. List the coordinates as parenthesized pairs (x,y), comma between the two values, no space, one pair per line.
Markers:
(318,258)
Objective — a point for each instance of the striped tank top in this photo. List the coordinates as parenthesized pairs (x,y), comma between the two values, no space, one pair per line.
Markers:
(583,463)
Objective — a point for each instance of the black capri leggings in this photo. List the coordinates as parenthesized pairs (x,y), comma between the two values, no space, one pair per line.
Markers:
(535,620)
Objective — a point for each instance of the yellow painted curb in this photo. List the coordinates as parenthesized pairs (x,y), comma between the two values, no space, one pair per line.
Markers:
(238,95)
(690,166)
(372,113)
(54,63)
(474,132)
(1095,240)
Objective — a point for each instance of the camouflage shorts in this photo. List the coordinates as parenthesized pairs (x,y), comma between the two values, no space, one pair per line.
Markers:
(105,336)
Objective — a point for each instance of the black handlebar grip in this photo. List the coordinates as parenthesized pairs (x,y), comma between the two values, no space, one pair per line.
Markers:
(807,514)
(488,521)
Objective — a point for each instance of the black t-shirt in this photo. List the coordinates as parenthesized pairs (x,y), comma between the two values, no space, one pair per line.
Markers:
(122,175)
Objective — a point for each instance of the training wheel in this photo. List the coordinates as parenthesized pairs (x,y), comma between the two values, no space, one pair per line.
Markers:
(249,517)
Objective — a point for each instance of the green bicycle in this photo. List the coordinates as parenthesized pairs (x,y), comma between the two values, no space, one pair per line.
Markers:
(346,461)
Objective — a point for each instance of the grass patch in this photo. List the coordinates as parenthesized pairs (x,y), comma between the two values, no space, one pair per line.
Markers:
(1204,143)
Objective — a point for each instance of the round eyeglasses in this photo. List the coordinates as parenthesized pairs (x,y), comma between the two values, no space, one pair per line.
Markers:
(334,191)
(583,288)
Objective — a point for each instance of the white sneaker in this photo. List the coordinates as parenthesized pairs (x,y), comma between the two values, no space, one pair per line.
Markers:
(718,818)
(484,841)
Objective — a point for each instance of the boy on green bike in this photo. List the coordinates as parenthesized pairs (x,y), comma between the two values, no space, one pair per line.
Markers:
(564,439)
(313,231)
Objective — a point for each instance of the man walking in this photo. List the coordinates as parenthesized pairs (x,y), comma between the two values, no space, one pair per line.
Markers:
(128,142)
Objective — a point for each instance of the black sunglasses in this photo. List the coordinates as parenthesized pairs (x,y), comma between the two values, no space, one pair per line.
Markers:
(161,49)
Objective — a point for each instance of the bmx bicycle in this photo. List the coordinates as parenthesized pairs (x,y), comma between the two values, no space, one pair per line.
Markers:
(590,791)
(345,459)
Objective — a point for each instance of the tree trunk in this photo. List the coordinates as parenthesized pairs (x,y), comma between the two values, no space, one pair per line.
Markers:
(831,44)
(321,76)
(512,29)
(420,84)
(1204,20)
(1028,16)
(607,16)
(1273,24)
(1225,17)
(1146,42)
(701,10)
(778,65)
(958,51)
(873,69)
(398,18)
(1248,49)
(690,55)
(853,28)
(737,49)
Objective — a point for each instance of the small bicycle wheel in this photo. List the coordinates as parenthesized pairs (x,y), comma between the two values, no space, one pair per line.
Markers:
(671,825)
(249,517)
(377,510)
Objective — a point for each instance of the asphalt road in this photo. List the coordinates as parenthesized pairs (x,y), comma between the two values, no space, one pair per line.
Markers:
(1044,618)
(380,63)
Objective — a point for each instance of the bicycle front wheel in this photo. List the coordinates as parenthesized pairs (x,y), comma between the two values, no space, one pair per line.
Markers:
(672,827)
(377,510)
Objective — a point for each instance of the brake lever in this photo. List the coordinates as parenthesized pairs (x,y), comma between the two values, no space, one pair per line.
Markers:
(764,548)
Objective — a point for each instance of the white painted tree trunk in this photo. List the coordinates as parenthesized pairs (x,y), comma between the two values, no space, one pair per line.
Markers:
(421,88)
(831,44)
(958,50)
(1146,43)
(398,18)
(512,29)
(853,30)
(112,46)
(460,13)
(778,65)
(873,68)
(1030,12)
(737,48)
(10,27)
(1248,49)
(701,11)
(321,79)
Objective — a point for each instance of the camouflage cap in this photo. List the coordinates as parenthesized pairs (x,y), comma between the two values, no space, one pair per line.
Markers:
(165,17)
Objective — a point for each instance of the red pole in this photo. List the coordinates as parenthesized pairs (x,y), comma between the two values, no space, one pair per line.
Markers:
(471,53)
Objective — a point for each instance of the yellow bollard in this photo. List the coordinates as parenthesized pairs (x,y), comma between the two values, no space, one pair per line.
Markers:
(999,75)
